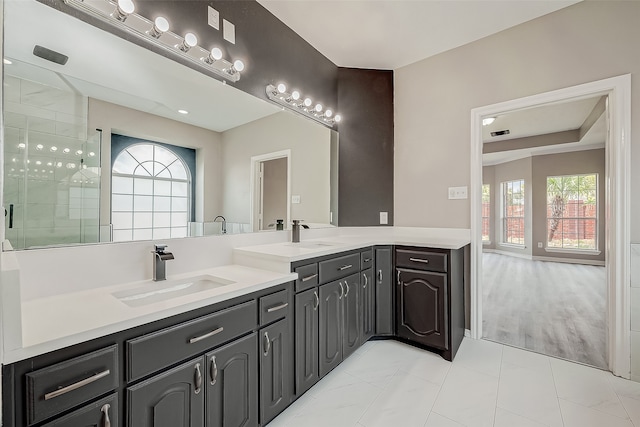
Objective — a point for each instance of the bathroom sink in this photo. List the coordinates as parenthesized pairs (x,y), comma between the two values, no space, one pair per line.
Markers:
(166,290)
(311,245)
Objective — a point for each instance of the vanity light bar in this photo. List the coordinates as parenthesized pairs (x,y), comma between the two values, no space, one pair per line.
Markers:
(121,14)
(294,102)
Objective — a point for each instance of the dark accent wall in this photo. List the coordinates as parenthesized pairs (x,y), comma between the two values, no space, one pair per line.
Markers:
(365,98)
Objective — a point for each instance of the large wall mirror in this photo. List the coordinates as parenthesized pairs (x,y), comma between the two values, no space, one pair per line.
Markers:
(120,144)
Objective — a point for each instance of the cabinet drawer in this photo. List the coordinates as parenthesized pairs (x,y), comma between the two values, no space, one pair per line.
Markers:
(152,352)
(421,260)
(338,268)
(59,387)
(366,260)
(307,277)
(274,307)
(102,413)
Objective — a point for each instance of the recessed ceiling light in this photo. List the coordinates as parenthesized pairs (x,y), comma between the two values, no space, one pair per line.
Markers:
(183,112)
(488,120)
(5,61)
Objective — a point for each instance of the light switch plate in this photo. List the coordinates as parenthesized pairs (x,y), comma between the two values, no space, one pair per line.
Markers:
(457,193)
(229,31)
(295,199)
(384,218)
(539,245)
(213,18)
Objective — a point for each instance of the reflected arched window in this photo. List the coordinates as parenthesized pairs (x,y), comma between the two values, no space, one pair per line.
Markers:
(150,193)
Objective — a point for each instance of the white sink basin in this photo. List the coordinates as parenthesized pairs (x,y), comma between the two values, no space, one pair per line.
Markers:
(311,245)
(166,290)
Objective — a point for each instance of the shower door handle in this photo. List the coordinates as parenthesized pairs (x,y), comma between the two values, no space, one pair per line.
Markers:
(10,215)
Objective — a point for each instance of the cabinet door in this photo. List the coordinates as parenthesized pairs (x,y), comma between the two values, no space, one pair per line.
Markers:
(331,325)
(384,291)
(103,413)
(232,384)
(275,370)
(174,398)
(368,305)
(306,339)
(422,307)
(352,315)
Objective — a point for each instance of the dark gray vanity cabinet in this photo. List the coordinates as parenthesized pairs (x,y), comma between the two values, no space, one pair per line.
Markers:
(232,384)
(275,370)
(306,339)
(352,315)
(368,305)
(384,291)
(174,398)
(430,298)
(102,413)
(331,326)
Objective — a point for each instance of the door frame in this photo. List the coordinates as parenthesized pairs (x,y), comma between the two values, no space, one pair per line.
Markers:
(254,191)
(617,209)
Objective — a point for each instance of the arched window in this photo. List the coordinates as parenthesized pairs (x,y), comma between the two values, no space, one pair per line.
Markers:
(150,193)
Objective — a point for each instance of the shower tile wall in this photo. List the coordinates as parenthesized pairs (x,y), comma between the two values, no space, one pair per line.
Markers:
(50,177)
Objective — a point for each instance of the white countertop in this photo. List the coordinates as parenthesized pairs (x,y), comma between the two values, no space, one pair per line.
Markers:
(59,321)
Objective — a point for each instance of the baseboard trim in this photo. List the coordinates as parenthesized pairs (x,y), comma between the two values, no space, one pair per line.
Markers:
(515,255)
(570,260)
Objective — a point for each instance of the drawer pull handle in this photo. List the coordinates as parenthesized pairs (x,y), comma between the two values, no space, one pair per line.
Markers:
(105,410)
(317,304)
(424,261)
(267,341)
(277,307)
(214,371)
(366,280)
(380,275)
(75,386)
(198,379)
(346,294)
(345,267)
(367,259)
(307,278)
(205,336)
(341,290)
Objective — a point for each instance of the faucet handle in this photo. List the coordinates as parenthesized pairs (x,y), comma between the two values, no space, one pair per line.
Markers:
(160,247)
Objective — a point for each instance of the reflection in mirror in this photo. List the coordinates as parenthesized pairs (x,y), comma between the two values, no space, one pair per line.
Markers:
(97,150)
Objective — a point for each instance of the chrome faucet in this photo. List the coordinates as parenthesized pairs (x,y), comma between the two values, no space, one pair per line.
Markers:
(224,223)
(159,259)
(295,230)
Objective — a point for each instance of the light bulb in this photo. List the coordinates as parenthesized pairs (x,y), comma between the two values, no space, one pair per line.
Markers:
(337,118)
(216,53)
(124,9)
(307,102)
(160,26)
(328,113)
(238,65)
(295,95)
(318,108)
(282,88)
(190,40)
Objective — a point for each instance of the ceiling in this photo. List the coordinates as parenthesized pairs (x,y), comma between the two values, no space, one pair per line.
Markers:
(106,67)
(389,34)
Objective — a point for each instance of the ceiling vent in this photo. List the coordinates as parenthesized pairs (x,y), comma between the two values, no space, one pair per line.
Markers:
(50,55)
(501,132)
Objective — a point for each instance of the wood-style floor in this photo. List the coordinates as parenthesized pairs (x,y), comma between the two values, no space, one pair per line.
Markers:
(551,308)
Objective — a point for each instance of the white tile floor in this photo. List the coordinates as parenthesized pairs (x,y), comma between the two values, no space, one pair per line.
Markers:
(386,383)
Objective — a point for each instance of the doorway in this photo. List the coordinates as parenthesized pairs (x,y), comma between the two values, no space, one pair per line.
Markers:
(617,173)
(271,189)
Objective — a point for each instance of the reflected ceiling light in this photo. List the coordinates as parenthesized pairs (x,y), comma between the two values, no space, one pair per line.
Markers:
(71,165)
(190,40)
(183,112)
(49,163)
(53,149)
(124,8)
(66,151)
(91,154)
(5,61)
(157,33)
(39,147)
(279,95)
(160,26)
(79,152)
(488,120)
(59,164)
(22,145)
(38,162)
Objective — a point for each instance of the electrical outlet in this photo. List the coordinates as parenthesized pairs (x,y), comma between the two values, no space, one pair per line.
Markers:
(539,245)
(213,18)
(384,218)
(229,31)
(456,193)
(295,199)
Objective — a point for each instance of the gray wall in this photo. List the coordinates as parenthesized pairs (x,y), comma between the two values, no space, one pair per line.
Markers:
(580,162)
